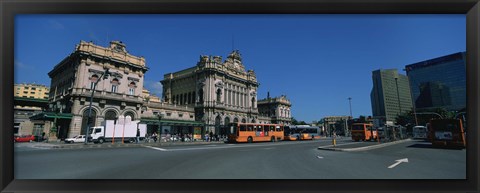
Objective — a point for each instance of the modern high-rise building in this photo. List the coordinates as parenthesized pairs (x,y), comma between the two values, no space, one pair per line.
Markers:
(390,95)
(439,83)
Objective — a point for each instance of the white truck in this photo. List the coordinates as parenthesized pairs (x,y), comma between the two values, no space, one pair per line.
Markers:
(110,131)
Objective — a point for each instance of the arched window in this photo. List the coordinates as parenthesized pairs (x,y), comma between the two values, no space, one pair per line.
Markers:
(200,95)
(227,120)
(243,120)
(131,114)
(85,120)
(253,102)
(93,80)
(193,97)
(115,84)
(219,95)
(131,88)
(110,115)
(235,120)
(217,121)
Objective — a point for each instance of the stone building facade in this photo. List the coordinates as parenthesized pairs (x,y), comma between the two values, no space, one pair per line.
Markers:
(221,92)
(29,91)
(203,98)
(277,109)
(339,124)
(120,93)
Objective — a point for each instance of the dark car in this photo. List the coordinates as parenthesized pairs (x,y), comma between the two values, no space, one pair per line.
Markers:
(24,138)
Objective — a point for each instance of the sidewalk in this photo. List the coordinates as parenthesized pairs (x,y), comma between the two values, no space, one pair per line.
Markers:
(360,146)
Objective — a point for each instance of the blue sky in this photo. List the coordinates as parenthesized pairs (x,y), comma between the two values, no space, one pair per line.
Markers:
(317,61)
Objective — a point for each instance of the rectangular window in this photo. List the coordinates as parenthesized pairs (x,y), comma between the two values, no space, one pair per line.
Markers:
(114,88)
(92,84)
(242,128)
(131,91)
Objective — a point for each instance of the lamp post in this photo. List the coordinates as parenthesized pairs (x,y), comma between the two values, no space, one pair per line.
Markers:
(398,96)
(429,113)
(159,128)
(57,108)
(350,101)
(89,122)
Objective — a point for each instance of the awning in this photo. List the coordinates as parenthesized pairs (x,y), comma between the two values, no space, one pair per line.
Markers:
(51,116)
(167,122)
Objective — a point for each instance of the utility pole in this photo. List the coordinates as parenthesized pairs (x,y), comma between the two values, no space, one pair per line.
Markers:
(90,119)
(350,101)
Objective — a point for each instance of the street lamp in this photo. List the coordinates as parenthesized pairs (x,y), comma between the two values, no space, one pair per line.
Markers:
(89,122)
(430,113)
(159,128)
(57,108)
(398,96)
(350,101)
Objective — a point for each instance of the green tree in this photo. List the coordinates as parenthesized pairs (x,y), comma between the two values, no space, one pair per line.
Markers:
(294,121)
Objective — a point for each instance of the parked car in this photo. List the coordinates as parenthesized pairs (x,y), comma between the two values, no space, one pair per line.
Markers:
(23,138)
(76,139)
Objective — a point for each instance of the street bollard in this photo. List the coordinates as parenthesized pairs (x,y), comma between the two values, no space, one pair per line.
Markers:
(334,142)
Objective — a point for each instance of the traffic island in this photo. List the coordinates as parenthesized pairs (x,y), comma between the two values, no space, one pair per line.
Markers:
(359,146)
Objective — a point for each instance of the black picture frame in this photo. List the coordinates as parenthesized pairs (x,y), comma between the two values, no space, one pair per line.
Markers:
(9,8)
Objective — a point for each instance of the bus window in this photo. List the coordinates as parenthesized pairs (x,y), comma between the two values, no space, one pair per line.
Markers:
(278,128)
(357,127)
(259,128)
(249,128)
(242,128)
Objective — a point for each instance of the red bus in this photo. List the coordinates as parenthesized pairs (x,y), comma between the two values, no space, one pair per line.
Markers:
(255,132)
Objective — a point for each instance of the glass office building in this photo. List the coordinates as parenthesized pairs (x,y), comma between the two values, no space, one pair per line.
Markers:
(439,83)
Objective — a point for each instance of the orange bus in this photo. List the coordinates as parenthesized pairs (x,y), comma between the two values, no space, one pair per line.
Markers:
(447,133)
(363,131)
(255,132)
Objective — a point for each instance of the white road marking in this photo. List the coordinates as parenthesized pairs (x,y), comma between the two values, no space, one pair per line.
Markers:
(398,162)
(157,148)
(319,157)
(213,146)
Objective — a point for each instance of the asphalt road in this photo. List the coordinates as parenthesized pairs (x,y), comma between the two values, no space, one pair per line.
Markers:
(279,160)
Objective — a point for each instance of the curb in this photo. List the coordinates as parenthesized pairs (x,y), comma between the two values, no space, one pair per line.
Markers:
(331,148)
